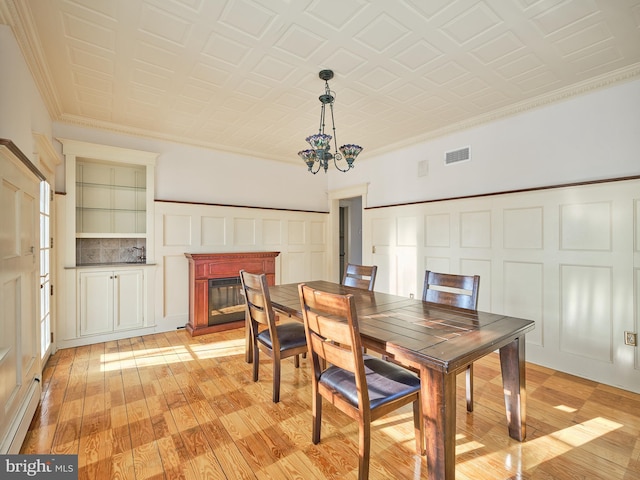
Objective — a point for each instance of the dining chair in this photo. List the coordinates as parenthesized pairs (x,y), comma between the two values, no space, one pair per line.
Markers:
(277,340)
(360,276)
(458,291)
(362,386)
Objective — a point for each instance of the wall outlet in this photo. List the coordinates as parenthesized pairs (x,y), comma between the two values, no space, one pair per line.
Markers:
(631,339)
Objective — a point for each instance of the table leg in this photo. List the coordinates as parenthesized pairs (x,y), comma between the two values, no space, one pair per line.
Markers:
(512,365)
(438,395)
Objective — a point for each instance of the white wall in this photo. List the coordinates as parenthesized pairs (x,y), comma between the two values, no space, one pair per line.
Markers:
(586,137)
(192,174)
(22,111)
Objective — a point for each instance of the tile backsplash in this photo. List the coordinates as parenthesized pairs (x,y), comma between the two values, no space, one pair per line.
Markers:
(90,251)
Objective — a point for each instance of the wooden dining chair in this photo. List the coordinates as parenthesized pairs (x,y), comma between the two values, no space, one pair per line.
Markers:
(278,341)
(458,291)
(360,276)
(362,386)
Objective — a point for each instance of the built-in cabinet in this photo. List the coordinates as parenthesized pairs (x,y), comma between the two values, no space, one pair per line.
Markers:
(110,300)
(110,199)
(109,207)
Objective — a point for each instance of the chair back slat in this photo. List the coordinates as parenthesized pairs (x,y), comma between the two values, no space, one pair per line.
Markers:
(332,328)
(449,289)
(259,308)
(360,276)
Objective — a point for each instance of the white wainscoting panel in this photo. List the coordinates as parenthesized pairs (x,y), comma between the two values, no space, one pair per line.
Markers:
(318,233)
(296,267)
(523,295)
(523,228)
(482,267)
(437,264)
(567,258)
(244,231)
(177,230)
(175,280)
(296,232)
(318,263)
(438,230)
(585,321)
(475,229)
(213,231)
(586,226)
(636,225)
(300,237)
(383,231)
(271,231)
(407,232)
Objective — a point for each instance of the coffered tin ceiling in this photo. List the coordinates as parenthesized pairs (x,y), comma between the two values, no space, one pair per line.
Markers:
(242,75)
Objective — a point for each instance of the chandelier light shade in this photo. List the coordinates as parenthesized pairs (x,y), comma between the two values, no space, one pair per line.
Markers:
(320,153)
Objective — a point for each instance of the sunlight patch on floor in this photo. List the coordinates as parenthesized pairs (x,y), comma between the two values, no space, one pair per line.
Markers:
(564,408)
(167,355)
(554,445)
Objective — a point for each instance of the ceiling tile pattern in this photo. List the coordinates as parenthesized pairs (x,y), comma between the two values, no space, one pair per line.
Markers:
(241,75)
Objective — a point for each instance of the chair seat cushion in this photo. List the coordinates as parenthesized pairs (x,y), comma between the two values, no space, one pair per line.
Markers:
(290,334)
(385,382)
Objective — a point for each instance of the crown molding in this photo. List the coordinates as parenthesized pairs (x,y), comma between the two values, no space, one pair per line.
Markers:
(629,73)
(17,15)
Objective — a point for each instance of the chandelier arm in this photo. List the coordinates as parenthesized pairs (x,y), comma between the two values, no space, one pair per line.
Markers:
(338,167)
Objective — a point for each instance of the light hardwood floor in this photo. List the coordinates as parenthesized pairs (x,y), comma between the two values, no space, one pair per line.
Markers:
(171,406)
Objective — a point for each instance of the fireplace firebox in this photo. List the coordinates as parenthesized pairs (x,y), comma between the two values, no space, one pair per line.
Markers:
(225,267)
(226,303)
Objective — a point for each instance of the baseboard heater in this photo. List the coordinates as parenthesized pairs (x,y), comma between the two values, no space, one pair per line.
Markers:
(17,432)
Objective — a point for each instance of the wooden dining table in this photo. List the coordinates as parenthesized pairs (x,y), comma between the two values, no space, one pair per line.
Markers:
(438,341)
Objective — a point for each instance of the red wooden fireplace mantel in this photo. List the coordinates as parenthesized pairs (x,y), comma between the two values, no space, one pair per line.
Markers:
(204,266)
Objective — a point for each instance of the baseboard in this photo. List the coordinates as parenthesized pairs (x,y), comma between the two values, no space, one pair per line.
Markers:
(20,425)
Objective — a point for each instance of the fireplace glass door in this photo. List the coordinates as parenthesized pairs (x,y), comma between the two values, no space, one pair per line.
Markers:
(226,302)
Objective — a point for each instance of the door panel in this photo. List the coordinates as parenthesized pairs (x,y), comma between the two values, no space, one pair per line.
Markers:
(128,298)
(96,302)
(19,362)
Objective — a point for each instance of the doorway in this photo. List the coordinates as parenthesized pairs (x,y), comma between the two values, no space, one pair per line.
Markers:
(353,199)
(350,232)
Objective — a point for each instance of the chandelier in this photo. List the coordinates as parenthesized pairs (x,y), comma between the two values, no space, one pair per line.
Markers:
(320,153)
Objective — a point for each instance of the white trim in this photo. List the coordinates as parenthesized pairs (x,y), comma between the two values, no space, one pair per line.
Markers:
(333,248)
(107,152)
(20,425)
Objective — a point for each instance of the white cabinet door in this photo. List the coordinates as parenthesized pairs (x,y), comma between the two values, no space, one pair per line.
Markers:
(96,302)
(128,299)
(111,300)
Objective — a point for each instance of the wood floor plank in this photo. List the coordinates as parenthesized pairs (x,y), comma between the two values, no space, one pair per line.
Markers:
(169,406)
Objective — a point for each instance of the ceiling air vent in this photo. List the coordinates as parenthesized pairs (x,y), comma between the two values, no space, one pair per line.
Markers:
(455,156)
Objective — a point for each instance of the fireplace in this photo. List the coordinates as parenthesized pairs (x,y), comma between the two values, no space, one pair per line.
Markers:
(220,308)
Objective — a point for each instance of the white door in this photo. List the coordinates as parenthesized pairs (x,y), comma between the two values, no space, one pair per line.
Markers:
(19,332)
